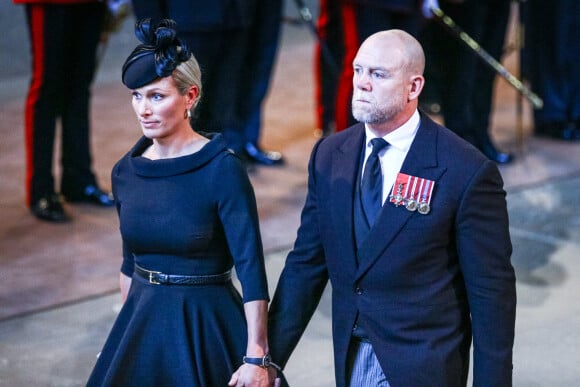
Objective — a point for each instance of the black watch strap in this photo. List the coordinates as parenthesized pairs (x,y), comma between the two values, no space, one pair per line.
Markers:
(264,361)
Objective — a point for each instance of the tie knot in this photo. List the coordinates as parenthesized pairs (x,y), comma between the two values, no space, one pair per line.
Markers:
(378,144)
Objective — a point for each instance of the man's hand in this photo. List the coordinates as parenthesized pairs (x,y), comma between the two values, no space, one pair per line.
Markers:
(249,375)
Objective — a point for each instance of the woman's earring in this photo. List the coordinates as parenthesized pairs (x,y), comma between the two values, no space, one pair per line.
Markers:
(187,114)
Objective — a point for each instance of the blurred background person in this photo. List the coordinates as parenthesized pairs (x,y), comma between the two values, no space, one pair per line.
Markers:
(461,81)
(222,34)
(64,35)
(550,61)
(256,72)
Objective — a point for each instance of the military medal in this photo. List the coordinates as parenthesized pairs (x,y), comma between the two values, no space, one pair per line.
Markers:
(401,183)
(398,198)
(411,203)
(414,192)
(424,208)
(424,205)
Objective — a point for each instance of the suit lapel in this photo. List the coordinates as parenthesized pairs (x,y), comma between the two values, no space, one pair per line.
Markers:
(345,164)
(421,161)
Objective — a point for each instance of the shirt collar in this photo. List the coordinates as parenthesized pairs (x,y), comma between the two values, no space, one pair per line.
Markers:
(402,137)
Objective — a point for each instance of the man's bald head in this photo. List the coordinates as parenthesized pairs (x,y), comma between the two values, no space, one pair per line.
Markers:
(410,50)
(387,81)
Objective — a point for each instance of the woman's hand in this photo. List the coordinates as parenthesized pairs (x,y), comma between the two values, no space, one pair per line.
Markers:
(125,285)
(249,375)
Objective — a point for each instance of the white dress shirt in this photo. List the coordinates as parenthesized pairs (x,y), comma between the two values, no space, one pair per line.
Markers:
(393,156)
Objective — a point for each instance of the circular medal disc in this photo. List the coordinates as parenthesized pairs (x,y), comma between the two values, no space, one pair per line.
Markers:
(411,205)
(424,208)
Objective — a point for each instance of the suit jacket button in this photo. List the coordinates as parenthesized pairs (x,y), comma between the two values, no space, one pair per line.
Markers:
(358,291)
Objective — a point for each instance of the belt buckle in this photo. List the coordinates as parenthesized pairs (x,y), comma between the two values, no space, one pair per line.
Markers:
(151,279)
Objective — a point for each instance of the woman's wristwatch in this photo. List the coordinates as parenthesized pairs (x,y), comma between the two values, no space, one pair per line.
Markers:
(264,361)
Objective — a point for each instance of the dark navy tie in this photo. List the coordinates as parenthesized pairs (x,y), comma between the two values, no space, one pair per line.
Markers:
(372,182)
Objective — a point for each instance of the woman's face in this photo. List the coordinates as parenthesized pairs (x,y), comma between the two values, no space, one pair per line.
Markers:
(160,109)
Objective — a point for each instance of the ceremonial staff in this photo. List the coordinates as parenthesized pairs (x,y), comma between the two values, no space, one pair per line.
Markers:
(306,17)
(115,14)
(441,17)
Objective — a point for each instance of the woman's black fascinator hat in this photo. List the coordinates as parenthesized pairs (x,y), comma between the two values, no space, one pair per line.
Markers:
(159,53)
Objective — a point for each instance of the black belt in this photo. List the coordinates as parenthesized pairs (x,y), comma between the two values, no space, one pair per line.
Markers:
(158,278)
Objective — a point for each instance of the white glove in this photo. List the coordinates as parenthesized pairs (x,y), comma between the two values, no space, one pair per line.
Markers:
(117,7)
(428,5)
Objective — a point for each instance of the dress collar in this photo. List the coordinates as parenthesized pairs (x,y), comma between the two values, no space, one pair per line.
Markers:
(174,166)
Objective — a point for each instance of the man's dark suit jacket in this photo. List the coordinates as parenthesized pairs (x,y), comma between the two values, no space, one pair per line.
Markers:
(424,285)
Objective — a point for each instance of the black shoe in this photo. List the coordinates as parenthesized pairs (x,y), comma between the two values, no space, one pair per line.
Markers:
(559,130)
(497,156)
(91,194)
(258,156)
(49,208)
(571,132)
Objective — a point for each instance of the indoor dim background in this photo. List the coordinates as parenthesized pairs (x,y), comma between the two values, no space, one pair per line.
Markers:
(58,283)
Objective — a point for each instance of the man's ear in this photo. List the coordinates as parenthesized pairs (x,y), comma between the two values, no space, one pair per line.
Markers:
(415,86)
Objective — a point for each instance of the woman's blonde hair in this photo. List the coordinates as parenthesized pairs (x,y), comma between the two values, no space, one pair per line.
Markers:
(188,74)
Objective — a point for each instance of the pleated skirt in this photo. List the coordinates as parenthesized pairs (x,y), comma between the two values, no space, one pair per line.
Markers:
(174,336)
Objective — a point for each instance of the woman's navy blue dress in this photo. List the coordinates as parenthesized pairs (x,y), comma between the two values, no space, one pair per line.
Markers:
(191,215)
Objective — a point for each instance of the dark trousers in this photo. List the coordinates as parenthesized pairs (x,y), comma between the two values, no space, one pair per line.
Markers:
(64,40)
(464,81)
(256,71)
(329,55)
(220,56)
(552,57)
(236,68)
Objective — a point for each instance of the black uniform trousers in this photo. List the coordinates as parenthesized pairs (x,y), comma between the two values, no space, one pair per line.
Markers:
(64,40)
(236,67)
(256,72)
(464,82)
(551,58)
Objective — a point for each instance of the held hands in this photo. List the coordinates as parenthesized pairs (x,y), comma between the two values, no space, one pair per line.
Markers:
(427,7)
(249,375)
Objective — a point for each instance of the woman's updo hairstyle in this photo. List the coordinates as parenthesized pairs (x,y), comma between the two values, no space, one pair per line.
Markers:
(158,55)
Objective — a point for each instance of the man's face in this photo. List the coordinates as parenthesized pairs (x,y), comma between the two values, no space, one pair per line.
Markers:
(380,85)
